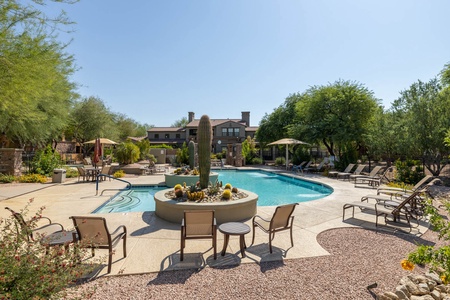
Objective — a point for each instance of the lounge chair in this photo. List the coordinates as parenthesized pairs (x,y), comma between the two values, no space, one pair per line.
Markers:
(346,175)
(387,209)
(40,231)
(316,169)
(298,168)
(282,219)
(93,233)
(372,174)
(347,170)
(198,224)
(394,191)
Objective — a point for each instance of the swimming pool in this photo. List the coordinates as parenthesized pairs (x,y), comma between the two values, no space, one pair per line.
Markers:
(272,189)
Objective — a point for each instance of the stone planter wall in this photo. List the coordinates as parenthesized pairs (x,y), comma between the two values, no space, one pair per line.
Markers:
(11,161)
(225,211)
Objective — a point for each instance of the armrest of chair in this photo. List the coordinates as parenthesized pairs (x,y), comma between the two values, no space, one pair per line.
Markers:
(118,228)
(258,216)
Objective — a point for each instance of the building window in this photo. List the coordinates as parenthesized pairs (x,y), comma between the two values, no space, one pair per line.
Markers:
(236,132)
(193,132)
(230,131)
(177,136)
(166,136)
(156,136)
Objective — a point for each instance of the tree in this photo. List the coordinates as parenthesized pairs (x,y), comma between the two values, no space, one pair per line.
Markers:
(422,110)
(35,90)
(91,119)
(336,114)
(180,123)
(275,126)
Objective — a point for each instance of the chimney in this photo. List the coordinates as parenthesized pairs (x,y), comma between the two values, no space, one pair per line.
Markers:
(246,117)
(191,116)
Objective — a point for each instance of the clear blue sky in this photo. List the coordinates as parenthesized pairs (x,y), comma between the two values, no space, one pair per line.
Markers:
(156,60)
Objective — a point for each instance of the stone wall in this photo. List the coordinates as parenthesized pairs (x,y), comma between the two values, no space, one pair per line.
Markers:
(11,161)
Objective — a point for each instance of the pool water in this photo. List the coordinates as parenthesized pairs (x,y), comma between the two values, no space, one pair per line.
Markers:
(272,190)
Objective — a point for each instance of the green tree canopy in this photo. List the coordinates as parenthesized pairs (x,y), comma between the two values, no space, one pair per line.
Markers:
(35,89)
(275,126)
(423,119)
(336,114)
(180,123)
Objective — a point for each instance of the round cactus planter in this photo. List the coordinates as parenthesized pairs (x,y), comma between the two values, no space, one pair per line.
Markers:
(224,211)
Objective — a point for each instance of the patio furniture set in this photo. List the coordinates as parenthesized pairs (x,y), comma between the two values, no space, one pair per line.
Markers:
(92,232)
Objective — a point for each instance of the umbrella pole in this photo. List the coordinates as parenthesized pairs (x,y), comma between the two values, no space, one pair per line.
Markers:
(287,157)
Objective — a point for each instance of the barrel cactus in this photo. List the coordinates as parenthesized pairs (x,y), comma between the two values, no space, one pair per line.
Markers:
(204,138)
(191,147)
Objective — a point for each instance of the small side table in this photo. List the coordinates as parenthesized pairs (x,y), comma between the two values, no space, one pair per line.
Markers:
(59,238)
(234,228)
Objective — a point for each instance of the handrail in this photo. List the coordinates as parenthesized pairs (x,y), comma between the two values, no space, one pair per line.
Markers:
(109,176)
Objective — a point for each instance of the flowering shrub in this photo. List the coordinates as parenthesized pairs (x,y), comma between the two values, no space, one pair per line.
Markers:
(119,174)
(27,271)
(32,178)
(438,259)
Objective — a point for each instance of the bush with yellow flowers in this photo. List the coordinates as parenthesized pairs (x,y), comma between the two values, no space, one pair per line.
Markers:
(437,258)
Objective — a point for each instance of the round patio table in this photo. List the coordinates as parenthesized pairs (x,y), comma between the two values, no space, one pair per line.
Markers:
(234,228)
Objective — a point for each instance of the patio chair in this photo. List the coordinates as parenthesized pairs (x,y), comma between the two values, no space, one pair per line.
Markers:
(198,224)
(395,191)
(106,170)
(87,161)
(393,209)
(93,233)
(346,175)
(282,219)
(83,173)
(26,226)
(347,170)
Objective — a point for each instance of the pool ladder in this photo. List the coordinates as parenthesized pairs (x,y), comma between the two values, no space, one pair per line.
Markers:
(128,187)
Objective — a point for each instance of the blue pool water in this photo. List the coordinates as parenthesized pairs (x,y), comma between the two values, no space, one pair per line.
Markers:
(272,190)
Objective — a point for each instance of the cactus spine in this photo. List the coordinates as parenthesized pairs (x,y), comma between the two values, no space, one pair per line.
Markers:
(191,147)
(204,137)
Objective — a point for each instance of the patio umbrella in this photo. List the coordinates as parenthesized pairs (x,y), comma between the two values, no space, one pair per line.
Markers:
(287,142)
(97,152)
(103,141)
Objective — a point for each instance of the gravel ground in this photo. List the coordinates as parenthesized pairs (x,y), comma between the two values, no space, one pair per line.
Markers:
(358,258)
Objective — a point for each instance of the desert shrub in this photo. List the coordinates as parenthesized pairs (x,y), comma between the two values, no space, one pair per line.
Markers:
(32,178)
(119,174)
(300,155)
(280,161)
(183,155)
(144,148)
(4,178)
(27,272)
(127,153)
(256,161)
(45,161)
(409,171)
(71,173)
(348,155)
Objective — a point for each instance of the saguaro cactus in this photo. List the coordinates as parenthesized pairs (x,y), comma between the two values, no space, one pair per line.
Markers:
(191,148)
(204,138)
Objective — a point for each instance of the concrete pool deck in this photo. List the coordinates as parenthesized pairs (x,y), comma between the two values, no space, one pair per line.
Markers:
(153,244)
